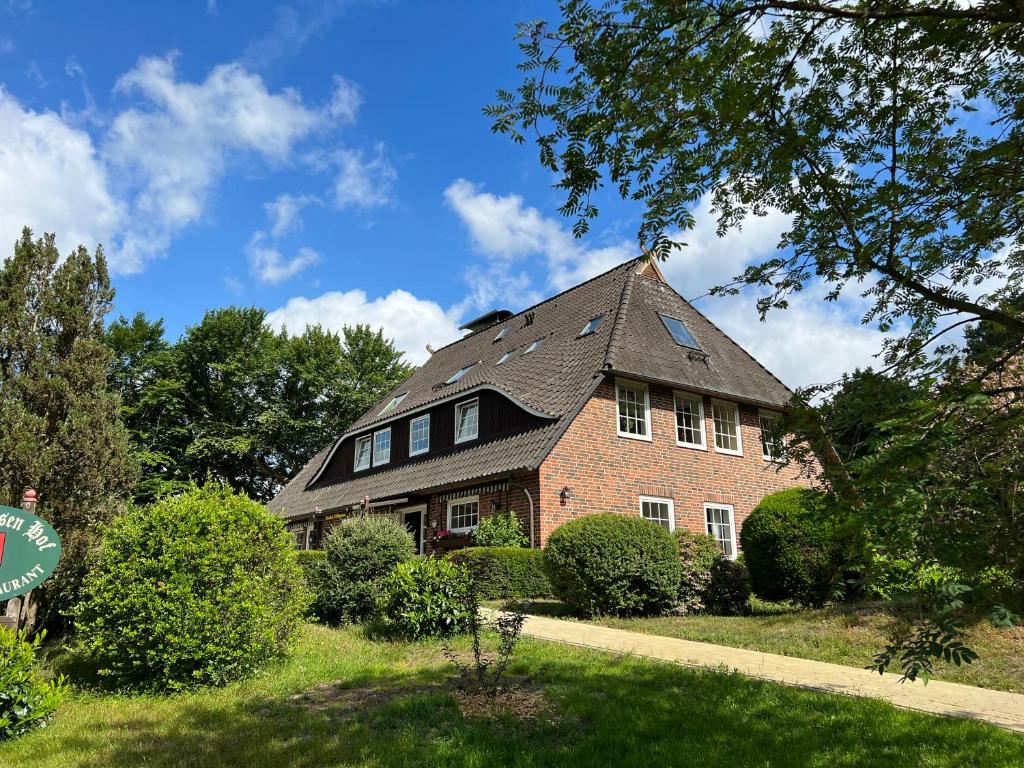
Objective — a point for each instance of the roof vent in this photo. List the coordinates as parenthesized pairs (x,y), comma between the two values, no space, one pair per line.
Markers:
(486,321)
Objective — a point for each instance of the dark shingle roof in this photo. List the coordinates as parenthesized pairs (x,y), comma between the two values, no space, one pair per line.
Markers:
(555,380)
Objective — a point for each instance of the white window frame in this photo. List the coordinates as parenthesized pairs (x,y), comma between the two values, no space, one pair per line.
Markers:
(476,431)
(676,396)
(412,424)
(660,500)
(369,454)
(762,414)
(739,429)
(463,500)
(732,525)
(619,384)
(377,461)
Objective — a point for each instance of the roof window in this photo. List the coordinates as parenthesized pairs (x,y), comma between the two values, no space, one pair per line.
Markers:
(505,357)
(679,331)
(501,334)
(592,325)
(460,373)
(393,404)
(532,347)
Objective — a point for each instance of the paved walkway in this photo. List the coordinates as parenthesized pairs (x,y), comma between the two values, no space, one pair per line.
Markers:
(997,707)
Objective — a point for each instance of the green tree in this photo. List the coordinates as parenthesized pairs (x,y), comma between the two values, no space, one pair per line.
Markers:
(60,431)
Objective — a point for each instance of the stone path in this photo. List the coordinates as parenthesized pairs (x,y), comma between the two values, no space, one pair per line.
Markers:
(997,707)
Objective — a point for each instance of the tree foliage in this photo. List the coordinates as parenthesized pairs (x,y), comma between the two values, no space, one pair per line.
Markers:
(59,426)
(235,400)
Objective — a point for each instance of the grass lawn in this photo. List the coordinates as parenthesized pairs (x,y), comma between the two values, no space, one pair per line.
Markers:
(343,700)
(844,634)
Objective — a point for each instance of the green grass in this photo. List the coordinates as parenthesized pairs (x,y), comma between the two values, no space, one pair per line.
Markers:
(604,710)
(843,634)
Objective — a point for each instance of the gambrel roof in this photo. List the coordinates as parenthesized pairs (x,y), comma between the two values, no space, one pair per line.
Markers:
(553,381)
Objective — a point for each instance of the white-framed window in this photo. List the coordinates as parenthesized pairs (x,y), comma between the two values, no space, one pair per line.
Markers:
(634,410)
(501,334)
(532,346)
(467,420)
(459,374)
(690,421)
(592,325)
(419,435)
(463,514)
(773,442)
(505,357)
(362,453)
(658,510)
(720,524)
(382,447)
(726,418)
(393,404)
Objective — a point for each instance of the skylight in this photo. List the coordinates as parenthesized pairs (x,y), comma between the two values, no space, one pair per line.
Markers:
(459,374)
(679,331)
(532,346)
(501,334)
(592,326)
(505,357)
(393,404)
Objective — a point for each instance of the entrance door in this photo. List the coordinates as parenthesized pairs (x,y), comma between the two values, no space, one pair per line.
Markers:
(413,519)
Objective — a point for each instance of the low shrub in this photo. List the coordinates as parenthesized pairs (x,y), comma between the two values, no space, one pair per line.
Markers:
(502,529)
(426,597)
(890,578)
(197,589)
(728,593)
(613,565)
(698,552)
(793,547)
(27,700)
(310,562)
(505,572)
(358,554)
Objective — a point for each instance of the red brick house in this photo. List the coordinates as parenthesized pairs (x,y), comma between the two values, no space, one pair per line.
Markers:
(614,396)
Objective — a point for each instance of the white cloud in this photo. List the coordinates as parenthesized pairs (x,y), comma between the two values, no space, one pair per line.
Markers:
(284,210)
(177,143)
(361,182)
(52,180)
(345,101)
(412,322)
(291,30)
(270,266)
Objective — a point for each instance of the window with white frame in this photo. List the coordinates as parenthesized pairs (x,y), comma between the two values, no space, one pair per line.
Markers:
(382,447)
(690,420)
(467,420)
(419,435)
(463,514)
(720,525)
(592,325)
(657,510)
(505,357)
(532,346)
(501,334)
(362,453)
(773,445)
(726,418)
(393,404)
(459,373)
(634,411)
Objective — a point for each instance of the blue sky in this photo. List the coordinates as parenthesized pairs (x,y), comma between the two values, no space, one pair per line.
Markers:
(328,161)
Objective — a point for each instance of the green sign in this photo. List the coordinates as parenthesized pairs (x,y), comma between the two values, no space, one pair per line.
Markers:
(29,551)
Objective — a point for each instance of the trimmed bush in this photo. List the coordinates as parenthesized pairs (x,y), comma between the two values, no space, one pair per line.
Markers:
(791,544)
(613,565)
(505,572)
(501,529)
(358,554)
(426,597)
(310,562)
(27,701)
(197,589)
(728,593)
(698,552)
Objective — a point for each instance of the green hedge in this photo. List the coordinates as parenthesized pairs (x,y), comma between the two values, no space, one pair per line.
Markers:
(505,572)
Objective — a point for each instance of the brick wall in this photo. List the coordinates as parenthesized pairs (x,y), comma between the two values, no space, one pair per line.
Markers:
(510,498)
(608,473)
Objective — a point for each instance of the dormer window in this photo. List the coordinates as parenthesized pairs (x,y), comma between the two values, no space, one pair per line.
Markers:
(393,404)
(362,453)
(679,331)
(504,358)
(382,447)
(467,420)
(592,325)
(501,334)
(532,347)
(459,374)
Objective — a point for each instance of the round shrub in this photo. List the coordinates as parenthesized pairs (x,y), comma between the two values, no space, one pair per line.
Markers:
(358,554)
(426,597)
(792,548)
(27,701)
(502,529)
(613,565)
(197,589)
(698,552)
(728,592)
(501,573)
